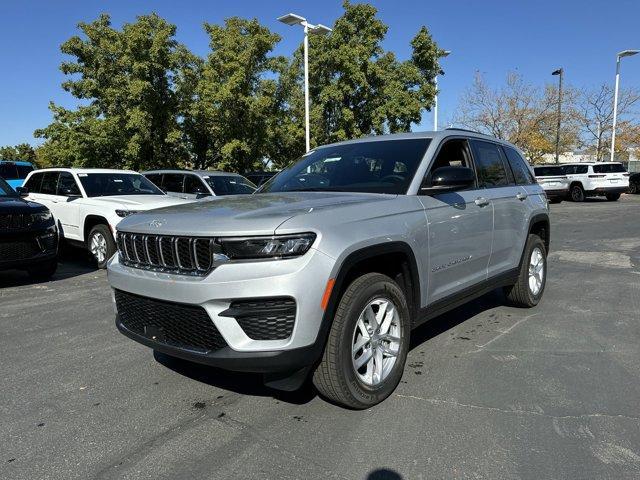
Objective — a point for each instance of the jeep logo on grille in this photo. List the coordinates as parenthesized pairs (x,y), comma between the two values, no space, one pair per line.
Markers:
(156,223)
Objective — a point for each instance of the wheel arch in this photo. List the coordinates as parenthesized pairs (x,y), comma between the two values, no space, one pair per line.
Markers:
(539,225)
(91,221)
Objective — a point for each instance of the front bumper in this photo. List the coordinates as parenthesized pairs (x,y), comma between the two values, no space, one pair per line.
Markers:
(26,249)
(302,279)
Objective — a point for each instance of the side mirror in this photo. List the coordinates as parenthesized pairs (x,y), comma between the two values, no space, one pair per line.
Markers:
(448,179)
(22,191)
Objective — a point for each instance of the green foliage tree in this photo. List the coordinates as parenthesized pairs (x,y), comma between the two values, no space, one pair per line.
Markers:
(356,87)
(127,77)
(22,151)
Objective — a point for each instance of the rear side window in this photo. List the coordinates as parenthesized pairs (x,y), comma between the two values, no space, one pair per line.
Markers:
(24,170)
(172,182)
(549,171)
(489,165)
(8,171)
(519,167)
(34,183)
(156,178)
(49,183)
(609,168)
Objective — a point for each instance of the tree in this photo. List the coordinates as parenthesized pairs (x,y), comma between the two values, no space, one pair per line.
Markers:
(23,152)
(594,113)
(356,87)
(520,113)
(234,97)
(127,77)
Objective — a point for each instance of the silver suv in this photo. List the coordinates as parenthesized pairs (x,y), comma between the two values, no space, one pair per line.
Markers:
(327,268)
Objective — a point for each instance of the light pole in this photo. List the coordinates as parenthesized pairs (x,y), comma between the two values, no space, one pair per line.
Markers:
(560,73)
(624,53)
(293,19)
(445,53)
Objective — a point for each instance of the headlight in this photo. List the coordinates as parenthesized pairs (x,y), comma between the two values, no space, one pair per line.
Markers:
(41,217)
(126,213)
(278,246)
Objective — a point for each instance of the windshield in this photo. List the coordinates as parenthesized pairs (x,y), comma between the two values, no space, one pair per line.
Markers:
(609,168)
(230,185)
(384,166)
(108,184)
(548,171)
(6,190)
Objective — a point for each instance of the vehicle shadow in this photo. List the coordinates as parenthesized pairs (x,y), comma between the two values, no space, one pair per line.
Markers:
(238,382)
(252,383)
(72,262)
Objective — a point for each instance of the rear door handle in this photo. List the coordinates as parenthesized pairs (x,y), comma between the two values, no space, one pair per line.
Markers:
(481,201)
(521,196)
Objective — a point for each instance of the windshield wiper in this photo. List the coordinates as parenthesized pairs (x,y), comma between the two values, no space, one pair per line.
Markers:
(315,189)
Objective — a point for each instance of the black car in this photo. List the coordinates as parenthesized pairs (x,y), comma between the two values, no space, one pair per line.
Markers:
(634,183)
(28,235)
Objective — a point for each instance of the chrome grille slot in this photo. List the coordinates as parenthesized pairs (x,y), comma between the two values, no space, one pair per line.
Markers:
(172,254)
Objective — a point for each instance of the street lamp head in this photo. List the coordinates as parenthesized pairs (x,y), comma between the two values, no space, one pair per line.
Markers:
(557,72)
(292,19)
(445,53)
(320,30)
(628,53)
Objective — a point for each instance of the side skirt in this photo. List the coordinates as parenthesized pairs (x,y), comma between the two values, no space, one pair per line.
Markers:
(460,298)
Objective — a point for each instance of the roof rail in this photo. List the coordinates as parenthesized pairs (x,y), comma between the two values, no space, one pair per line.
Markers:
(464,130)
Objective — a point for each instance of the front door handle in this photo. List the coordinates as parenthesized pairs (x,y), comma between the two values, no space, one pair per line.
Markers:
(481,201)
(521,196)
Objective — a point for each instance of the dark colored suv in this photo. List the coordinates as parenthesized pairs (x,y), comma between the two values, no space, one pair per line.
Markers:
(28,235)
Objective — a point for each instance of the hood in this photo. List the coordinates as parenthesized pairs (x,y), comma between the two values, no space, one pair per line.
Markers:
(139,202)
(259,214)
(19,205)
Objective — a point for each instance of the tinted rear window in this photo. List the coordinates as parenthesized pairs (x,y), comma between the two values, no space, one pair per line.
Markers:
(548,171)
(49,183)
(519,166)
(489,165)
(609,168)
(8,171)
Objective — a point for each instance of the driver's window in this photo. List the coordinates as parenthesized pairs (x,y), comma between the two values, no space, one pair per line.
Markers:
(454,153)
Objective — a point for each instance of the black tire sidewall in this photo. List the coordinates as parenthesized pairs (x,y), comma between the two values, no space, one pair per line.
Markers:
(111,244)
(364,394)
(580,197)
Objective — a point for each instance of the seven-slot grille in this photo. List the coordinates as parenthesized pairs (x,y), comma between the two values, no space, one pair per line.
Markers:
(15,221)
(184,255)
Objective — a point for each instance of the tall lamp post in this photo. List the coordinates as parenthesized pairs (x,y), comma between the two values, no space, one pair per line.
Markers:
(293,19)
(560,73)
(624,53)
(445,53)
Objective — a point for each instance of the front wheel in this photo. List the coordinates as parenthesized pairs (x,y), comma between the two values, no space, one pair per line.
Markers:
(101,244)
(368,343)
(532,277)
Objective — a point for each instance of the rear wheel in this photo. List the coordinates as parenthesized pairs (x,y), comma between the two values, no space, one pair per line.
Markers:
(577,193)
(612,197)
(367,346)
(633,187)
(532,277)
(101,244)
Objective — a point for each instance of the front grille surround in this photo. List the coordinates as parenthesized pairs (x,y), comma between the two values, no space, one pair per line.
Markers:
(178,325)
(167,253)
(16,221)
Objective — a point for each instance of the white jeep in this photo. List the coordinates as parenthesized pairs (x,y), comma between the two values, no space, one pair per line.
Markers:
(87,204)
(608,179)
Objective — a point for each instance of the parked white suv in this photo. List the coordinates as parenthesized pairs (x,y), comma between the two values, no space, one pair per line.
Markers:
(608,179)
(87,204)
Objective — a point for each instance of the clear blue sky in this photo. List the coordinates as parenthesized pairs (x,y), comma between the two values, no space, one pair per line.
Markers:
(493,37)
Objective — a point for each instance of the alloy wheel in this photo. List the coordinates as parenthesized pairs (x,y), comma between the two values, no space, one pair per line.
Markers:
(98,247)
(376,341)
(536,271)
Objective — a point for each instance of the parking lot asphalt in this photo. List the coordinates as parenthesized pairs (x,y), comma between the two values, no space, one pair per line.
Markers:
(489,391)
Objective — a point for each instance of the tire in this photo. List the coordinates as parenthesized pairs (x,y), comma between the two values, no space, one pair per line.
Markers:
(577,193)
(43,271)
(633,188)
(336,377)
(613,197)
(522,294)
(101,245)
(555,200)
